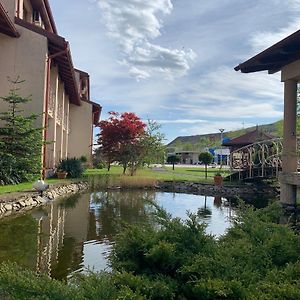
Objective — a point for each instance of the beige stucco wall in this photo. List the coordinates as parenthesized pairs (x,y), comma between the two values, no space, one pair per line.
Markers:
(24,57)
(80,131)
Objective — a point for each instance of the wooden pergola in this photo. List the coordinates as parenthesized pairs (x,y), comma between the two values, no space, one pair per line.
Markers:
(283,56)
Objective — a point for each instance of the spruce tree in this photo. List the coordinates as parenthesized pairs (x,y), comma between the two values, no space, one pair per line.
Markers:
(20,141)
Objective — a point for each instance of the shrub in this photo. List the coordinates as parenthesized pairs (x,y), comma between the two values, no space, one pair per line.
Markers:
(256,254)
(83,159)
(73,166)
(258,258)
(20,142)
(8,171)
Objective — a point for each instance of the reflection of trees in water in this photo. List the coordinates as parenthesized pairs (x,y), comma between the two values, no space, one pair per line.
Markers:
(70,202)
(204,212)
(218,202)
(18,240)
(110,210)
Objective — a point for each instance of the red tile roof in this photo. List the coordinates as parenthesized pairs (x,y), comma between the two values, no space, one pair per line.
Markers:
(249,138)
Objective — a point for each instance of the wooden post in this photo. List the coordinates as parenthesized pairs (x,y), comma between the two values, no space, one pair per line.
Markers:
(289,156)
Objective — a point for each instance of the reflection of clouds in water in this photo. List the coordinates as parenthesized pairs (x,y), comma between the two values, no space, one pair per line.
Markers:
(178,204)
(95,255)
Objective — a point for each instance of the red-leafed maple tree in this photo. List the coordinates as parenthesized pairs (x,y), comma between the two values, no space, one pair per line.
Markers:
(120,137)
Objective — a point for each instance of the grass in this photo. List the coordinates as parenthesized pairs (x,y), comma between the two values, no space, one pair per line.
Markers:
(197,171)
(145,177)
(26,186)
(193,174)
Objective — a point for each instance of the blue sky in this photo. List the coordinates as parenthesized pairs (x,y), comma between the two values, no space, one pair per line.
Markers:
(172,60)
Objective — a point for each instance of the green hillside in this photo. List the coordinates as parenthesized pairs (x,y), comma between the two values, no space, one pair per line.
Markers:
(201,142)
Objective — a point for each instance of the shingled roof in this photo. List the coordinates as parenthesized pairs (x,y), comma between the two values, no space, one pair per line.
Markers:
(249,138)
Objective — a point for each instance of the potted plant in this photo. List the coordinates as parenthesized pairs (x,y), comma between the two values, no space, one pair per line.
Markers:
(61,174)
(218,179)
(71,167)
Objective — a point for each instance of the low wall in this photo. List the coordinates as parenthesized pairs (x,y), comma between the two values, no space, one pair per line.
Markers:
(243,191)
(33,199)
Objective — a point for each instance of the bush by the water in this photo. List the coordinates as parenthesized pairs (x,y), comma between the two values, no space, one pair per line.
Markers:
(172,259)
(73,166)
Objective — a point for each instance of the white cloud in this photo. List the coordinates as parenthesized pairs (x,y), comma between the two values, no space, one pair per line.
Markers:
(133,24)
(213,127)
(263,39)
(181,121)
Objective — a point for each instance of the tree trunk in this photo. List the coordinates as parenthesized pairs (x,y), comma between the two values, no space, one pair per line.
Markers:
(173,166)
(124,168)
(205,171)
(108,167)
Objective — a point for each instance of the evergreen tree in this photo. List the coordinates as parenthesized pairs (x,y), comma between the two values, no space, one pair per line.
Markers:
(20,141)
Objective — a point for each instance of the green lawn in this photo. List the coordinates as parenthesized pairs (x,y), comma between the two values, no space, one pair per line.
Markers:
(194,174)
(197,171)
(26,186)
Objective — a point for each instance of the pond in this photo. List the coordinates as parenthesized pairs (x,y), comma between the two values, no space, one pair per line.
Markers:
(77,233)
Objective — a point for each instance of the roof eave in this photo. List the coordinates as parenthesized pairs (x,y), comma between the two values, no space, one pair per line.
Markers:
(262,62)
(11,29)
(57,43)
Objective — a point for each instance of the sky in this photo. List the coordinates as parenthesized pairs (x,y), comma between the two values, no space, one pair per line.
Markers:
(173,61)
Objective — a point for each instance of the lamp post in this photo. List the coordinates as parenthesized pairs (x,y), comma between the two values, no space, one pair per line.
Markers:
(221,154)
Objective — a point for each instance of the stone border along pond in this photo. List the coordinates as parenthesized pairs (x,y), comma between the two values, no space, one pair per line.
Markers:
(243,191)
(33,199)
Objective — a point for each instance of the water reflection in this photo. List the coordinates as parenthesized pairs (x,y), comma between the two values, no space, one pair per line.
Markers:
(76,233)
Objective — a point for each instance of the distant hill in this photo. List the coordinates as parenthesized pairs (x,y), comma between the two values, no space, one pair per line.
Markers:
(200,142)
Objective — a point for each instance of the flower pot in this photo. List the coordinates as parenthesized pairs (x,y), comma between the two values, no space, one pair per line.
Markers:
(218,180)
(61,174)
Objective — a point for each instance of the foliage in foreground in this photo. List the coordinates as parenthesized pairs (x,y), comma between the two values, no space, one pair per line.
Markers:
(257,259)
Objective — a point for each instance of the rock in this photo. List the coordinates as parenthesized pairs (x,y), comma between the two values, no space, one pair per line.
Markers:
(44,200)
(32,200)
(8,207)
(7,213)
(21,203)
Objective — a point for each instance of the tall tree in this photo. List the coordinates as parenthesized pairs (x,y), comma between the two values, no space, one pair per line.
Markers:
(120,138)
(206,158)
(20,141)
